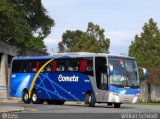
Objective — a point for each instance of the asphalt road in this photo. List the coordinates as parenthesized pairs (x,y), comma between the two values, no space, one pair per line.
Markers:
(79,111)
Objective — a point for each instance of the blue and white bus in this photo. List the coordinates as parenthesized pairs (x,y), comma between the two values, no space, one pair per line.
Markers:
(89,77)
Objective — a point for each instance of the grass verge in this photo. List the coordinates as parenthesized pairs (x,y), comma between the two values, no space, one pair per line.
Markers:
(147,103)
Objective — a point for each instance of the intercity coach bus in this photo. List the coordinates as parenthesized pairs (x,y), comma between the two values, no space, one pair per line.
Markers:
(89,77)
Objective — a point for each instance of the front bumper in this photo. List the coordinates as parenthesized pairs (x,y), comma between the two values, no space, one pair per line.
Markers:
(123,98)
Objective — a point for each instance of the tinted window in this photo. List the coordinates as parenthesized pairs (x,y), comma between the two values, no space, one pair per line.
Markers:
(83,65)
(73,65)
(61,65)
(86,66)
(25,66)
(16,66)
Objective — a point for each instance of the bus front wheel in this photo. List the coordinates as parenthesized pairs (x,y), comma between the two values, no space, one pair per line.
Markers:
(90,99)
(25,97)
(117,105)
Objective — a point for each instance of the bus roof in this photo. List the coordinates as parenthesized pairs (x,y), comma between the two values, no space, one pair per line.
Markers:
(70,55)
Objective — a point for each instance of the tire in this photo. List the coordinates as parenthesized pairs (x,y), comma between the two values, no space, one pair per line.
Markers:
(86,99)
(110,104)
(117,105)
(59,102)
(90,99)
(50,102)
(25,97)
(34,97)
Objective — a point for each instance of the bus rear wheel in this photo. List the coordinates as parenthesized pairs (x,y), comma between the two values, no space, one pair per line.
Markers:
(90,99)
(25,97)
(35,99)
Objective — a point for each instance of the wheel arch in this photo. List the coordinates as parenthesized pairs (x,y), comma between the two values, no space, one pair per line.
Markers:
(34,89)
(89,92)
(25,89)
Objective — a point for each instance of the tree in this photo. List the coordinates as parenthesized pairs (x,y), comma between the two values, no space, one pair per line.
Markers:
(92,40)
(24,23)
(61,47)
(154,75)
(69,38)
(146,49)
(96,35)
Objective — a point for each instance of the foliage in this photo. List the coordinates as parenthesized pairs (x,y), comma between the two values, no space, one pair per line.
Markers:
(154,76)
(146,49)
(24,23)
(92,40)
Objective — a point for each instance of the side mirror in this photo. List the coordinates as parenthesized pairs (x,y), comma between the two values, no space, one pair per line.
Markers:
(110,69)
(144,72)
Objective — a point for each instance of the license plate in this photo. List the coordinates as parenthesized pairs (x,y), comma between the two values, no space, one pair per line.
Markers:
(126,98)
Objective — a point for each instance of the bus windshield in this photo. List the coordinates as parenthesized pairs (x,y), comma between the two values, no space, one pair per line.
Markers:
(125,72)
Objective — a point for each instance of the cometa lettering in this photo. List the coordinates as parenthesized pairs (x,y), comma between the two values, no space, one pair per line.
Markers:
(68,78)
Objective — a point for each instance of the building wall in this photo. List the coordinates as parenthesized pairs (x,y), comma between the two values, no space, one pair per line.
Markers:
(155,93)
(143,92)
(12,50)
(3,76)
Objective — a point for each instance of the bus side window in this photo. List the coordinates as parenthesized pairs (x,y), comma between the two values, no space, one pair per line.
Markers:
(16,66)
(34,67)
(60,66)
(37,66)
(54,66)
(49,67)
(83,66)
(30,67)
(42,62)
(25,66)
(90,66)
(73,65)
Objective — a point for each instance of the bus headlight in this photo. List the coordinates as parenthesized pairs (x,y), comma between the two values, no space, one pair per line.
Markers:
(114,97)
(117,98)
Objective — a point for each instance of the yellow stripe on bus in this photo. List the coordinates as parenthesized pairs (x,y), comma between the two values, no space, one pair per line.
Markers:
(36,76)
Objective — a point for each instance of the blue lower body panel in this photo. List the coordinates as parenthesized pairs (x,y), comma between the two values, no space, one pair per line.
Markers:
(58,85)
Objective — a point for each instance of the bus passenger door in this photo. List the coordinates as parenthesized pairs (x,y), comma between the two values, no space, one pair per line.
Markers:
(101,79)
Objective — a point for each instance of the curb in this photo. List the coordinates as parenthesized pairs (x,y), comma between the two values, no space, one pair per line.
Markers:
(74,103)
(10,101)
(11,109)
(20,100)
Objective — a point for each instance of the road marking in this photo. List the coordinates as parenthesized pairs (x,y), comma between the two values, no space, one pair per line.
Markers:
(30,109)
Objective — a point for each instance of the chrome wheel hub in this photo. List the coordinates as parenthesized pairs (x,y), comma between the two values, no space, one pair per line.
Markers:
(34,97)
(90,98)
(25,96)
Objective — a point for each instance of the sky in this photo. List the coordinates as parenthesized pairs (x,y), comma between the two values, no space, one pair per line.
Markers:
(121,19)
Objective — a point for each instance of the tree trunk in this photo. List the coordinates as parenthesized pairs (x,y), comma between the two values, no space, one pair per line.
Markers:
(149,93)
